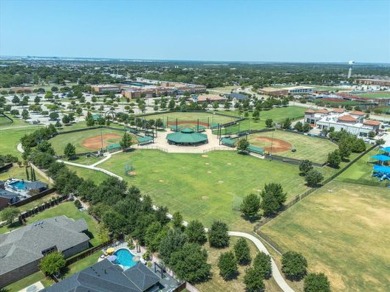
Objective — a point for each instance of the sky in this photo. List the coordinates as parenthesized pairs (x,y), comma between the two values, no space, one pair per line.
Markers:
(215,30)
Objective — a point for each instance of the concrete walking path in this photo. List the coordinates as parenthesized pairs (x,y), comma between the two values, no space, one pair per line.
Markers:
(276,274)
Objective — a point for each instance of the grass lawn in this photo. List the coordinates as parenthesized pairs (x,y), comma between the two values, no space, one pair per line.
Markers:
(20,172)
(205,187)
(10,138)
(361,172)
(67,209)
(4,121)
(312,148)
(205,117)
(342,229)
(83,264)
(29,280)
(381,94)
(95,176)
(276,114)
(60,141)
(87,160)
(217,283)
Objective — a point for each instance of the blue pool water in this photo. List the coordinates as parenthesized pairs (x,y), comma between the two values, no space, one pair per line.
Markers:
(124,258)
(20,185)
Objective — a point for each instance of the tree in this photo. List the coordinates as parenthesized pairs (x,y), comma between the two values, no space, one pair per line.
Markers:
(25,114)
(334,159)
(243,145)
(262,264)
(53,116)
(215,105)
(37,99)
(358,146)
(250,206)
(171,104)
(195,232)
(242,252)
(15,99)
(256,115)
(316,283)
(115,222)
(286,124)
(65,119)
(227,265)
(345,148)
(174,241)
(306,127)
(49,95)
(294,265)
(52,263)
(313,178)
(177,220)
(190,263)
(70,151)
(269,123)
(298,126)
(218,235)
(89,119)
(253,282)
(273,198)
(9,214)
(305,166)
(126,141)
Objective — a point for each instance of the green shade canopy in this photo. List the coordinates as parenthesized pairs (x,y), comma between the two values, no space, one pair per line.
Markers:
(187,136)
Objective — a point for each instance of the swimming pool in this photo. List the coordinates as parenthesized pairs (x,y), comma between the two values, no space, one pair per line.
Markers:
(124,258)
(20,185)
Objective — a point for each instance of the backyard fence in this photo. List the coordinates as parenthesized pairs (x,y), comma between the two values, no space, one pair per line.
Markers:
(6,167)
(87,252)
(33,198)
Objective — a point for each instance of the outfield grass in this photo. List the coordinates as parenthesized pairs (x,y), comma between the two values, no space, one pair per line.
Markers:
(206,187)
(68,209)
(342,229)
(361,171)
(312,148)
(276,114)
(217,283)
(382,94)
(60,141)
(204,117)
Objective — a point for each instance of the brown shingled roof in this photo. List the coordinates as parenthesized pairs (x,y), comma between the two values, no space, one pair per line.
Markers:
(322,111)
(346,118)
(357,113)
(309,111)
(338,110)
(371,123)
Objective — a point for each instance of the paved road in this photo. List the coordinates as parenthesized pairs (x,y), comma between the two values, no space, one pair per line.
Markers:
(260,246)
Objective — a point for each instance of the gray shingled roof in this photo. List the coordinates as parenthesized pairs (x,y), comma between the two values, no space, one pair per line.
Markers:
(238,96)
(24,245)
(104,276)
(7,194)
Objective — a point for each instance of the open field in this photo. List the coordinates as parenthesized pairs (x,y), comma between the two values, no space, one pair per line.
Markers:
(10,137)
(361,172)
(89,140)
(381,94)
(96,176)
(4,121)
(204,187)
(276,114)
(217,283)
(19,172)
(312,148)
(342,229)
(67,209)
(204,117)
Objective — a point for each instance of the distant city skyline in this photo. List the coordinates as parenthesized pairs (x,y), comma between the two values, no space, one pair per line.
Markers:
(220,31)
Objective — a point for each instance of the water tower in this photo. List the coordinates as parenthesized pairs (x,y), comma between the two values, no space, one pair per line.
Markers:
(350,63)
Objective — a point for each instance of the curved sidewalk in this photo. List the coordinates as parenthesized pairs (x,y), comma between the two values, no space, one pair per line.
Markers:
(276,274)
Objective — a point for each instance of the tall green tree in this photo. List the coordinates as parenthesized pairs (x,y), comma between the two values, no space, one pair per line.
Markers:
(334,159)
(126,141)
(190,263)
(89,120)
(294,265)
(52,263)
(253,281)
(177,220)
(242,252)
(218,235)
(316,283)
(227,265)
(242,145)
(262,264)
(174,241)
(269,123)
(196,232)
(70,151)
(250,206)
(9,214)
(273,198)
(305,166)
(313,178)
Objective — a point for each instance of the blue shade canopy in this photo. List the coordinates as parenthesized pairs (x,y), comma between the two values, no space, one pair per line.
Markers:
(382,169)
(386,149)
(381,157)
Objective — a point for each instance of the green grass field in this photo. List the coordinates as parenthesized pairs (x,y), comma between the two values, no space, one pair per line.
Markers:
(203,117)
(342,229)
(60,141)
(381,94)
(276,114)
(4,121)
(312,148)
(361,172)
(19,172)
(205,187)
(10,138)
(96,176)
